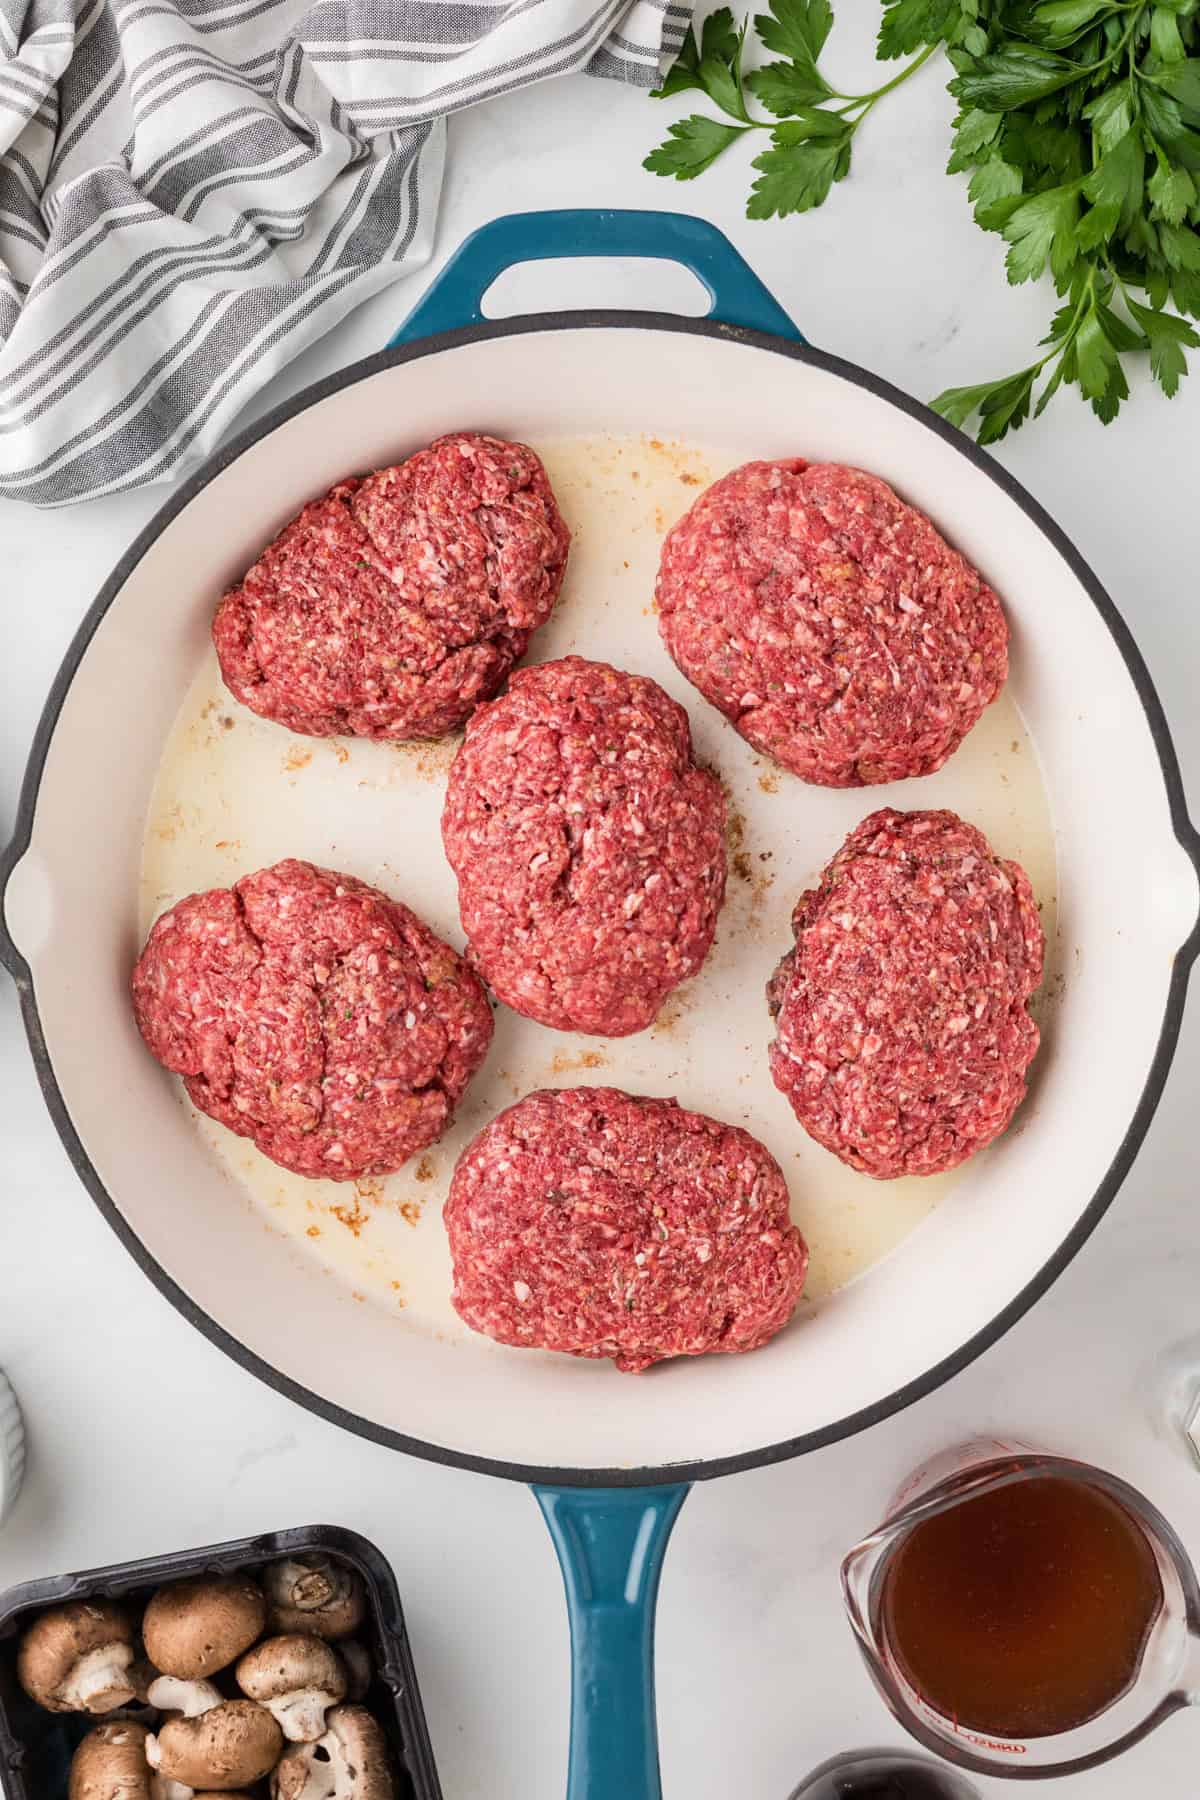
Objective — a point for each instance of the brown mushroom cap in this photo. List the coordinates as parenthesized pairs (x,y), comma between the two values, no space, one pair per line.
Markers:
(364,1748)
(315,1595)
(197,1627)
(237,1742)
(354,1762)
(54,1646)
(297,1678)
(110,1764)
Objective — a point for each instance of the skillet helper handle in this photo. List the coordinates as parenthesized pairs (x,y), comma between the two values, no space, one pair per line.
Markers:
(455,297)
(610,1544)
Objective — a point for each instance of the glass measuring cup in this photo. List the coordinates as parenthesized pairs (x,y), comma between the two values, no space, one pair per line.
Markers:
(1167,1676)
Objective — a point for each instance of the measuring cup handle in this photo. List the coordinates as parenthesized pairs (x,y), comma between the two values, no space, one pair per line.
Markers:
(610,1544)
(455,297)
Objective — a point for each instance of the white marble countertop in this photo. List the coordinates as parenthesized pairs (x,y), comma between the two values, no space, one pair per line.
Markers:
(144,1438)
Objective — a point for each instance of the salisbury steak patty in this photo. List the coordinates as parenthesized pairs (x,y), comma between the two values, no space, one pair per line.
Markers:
(311,1013)
(588,846)
(830,622)
(601,1224)
(902,1031)
(393,605)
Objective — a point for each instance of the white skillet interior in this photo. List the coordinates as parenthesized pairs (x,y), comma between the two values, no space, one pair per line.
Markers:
(1126,900)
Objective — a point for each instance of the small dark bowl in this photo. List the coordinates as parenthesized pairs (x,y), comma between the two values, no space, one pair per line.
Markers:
(36,1746)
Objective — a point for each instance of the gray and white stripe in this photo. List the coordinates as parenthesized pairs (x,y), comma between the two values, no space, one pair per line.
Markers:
(12,1449)
(191,191)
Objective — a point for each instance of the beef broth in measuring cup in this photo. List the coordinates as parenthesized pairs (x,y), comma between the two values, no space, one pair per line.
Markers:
(1024,1613)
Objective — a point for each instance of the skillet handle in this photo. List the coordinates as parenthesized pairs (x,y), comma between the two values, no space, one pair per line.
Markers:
(455,297)
(610,1544)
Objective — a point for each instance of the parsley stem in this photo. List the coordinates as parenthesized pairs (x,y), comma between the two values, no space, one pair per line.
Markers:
(866,101)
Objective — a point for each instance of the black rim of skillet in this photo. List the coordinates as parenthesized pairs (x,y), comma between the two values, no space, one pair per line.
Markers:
(1186,833)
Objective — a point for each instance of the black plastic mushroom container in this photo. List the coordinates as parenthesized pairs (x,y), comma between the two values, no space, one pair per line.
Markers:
(36,1746)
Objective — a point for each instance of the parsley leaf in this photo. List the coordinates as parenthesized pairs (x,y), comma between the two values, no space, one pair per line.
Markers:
(721,82)
(714,66)
(1042,146)
(1167,337)
(1120,335)
(720,39)
(1059,22)
(1180,248)
(1013,77)
(907,24)
(1001,405)
(1172,191)
(784,87)
(684,72)
(973,130)
(994,192)
(1041,228)
(1110,116)
(1165,40)
(796,174)
(691,146)
(1051,388)
(1182,82)
(1162,114)
(796,29)
(1114,188)
(1107,405)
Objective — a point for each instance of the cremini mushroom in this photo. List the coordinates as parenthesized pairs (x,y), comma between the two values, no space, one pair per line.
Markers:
(188,1698)
(349,1763)
(316,1595)
(77,1658)
(161,1789)
(229,1745)
(110,1764)
(297,1679)
(175,1790)
(357,1659)
(194,1628)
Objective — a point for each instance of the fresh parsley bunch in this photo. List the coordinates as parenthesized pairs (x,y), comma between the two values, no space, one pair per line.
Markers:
(1079,122)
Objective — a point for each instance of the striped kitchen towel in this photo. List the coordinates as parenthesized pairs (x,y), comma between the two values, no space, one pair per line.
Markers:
(193,190)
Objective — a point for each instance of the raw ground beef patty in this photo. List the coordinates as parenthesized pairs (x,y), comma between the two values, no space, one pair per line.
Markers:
(902,1034)
(311,1013)
(392,606)
(601,1224)
(830,622)
(589,848)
